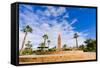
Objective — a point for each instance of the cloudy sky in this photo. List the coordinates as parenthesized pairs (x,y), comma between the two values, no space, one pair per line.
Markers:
(52,20)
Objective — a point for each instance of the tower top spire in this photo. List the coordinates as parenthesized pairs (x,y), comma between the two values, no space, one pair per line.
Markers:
(59,34)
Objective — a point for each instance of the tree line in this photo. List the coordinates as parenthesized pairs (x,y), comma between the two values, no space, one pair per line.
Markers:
(89,46)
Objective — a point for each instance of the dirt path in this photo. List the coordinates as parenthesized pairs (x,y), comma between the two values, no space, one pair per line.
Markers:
(66,56)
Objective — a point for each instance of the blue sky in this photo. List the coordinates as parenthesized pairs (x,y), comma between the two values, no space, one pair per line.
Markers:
(53,20)
(86,20)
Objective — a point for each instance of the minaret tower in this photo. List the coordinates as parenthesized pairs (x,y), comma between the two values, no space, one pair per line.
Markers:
(59,41)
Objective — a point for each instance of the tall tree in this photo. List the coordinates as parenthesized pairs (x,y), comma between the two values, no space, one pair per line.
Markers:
(28,45)
(28,49)
(90,44)
(76,36)
(48,42)
(25,30)
(45,36)
(42,46)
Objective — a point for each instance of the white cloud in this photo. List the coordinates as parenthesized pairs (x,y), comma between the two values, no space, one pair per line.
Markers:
(55,11)
(74,21)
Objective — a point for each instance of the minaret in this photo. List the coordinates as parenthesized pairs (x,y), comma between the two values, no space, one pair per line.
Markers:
(59,41)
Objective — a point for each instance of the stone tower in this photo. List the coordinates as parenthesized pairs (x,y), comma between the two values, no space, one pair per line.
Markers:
(59,42)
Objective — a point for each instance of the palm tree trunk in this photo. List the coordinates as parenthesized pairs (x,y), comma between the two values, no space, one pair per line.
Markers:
(76,43)
(23,43)
(44,41)
(48,44)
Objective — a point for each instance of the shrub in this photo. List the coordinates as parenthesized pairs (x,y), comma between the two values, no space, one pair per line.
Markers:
(27,51)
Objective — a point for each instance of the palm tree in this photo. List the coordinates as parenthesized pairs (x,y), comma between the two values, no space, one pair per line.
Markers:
(28,45)
(76,36)
(48,42)
(25,30)
(42,46)
(45,36)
